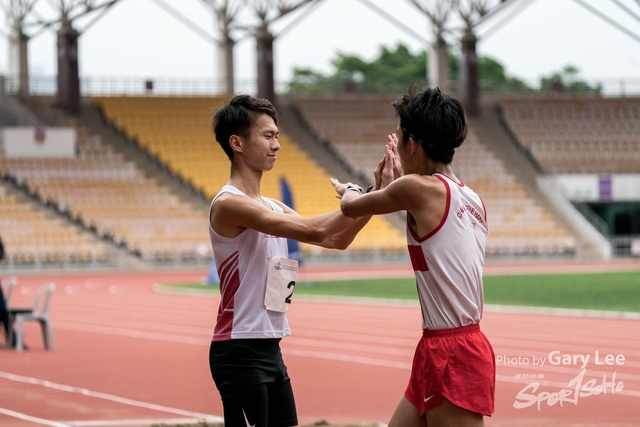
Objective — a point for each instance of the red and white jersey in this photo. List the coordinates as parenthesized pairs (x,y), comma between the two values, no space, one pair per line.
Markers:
(448,262)
(242,263)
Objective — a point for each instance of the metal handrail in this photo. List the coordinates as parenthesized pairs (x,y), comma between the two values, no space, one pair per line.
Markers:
(204,86)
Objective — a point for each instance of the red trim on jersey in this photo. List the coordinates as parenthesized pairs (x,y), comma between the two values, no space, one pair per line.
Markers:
(418,260)
(460,184)
(229,284)
(484,208)
(442,221)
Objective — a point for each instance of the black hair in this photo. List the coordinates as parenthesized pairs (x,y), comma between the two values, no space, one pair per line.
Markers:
(434,119)
(237,116)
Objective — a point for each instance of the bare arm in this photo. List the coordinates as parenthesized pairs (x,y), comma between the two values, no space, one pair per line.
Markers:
(231,214)
(341,239)
(386,200)
(423,197)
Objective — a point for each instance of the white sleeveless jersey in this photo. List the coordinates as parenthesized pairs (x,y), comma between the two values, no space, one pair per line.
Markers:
(448,262)
(242,264)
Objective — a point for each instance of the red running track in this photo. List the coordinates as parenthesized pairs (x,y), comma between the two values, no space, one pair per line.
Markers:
(129,355)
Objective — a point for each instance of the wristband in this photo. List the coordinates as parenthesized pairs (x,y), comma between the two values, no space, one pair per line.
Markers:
(354,187)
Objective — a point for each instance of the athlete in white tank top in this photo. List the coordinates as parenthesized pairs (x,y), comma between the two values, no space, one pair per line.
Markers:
(248,236)
(242,266)
(446,232)
(448,261)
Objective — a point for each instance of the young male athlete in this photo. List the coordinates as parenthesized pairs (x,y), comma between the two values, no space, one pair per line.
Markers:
(249,238)
(453,375)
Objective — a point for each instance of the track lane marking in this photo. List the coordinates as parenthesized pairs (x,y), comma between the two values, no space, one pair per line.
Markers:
(133,422)
(25,417)
(346,358)
(104,396)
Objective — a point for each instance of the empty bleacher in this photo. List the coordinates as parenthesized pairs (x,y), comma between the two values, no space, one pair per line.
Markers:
(113,198)
(177,131)
(31,236)
(580,135)
(357,129)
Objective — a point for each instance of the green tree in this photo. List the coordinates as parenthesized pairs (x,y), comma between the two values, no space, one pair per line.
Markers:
(494,78)
(568,81)
(394,70)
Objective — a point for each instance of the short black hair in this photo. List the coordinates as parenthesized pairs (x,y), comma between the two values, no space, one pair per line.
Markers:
(237,116)
(434,119)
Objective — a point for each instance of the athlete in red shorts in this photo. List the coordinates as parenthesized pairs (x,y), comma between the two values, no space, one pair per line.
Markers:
(453,375)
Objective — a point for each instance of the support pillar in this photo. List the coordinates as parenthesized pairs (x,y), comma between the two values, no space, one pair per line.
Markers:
(469,75)
(225,64)
(68,96)
(266,83)
(19,59)
(438,65)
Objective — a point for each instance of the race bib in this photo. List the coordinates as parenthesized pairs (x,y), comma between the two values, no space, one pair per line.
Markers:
(281,282)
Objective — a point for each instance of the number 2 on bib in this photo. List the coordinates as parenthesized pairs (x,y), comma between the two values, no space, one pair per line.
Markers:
(292,285)
(281,283)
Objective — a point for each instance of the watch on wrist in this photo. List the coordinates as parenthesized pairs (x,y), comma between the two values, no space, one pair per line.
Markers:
(354,187)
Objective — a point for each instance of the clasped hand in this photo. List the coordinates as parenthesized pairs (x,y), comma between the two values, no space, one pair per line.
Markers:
(388,169)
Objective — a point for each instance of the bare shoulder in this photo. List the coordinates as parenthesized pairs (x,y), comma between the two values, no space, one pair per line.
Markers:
(422,183)
(232,213)
(230,208)
(419,193)
(228,200)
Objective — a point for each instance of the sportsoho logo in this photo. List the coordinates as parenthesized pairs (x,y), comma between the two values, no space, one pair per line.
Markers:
(578,387)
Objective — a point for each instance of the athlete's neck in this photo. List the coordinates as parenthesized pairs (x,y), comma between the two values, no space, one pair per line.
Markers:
(429,168)
(246,180)
(447,171)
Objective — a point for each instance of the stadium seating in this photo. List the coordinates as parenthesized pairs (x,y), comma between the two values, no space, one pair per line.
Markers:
(112,197)
(31,237)
(578,136)
(357,129)
(177,132)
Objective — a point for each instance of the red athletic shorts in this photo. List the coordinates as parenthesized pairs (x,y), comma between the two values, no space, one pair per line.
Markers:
(458,364)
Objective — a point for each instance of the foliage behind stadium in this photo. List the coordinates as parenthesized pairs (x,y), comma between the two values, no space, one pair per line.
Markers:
(393,70)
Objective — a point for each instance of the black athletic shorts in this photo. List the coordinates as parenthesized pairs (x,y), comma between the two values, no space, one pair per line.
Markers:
(253,383)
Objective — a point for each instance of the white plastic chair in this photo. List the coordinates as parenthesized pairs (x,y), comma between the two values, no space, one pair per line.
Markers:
(11,283)
(39,313)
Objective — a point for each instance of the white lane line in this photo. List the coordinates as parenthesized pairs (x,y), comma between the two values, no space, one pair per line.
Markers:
(584,344)
(147,422)
(105,396)
(339,345)
(346,358)
(562,312)
(132,333)
(118,321)
(37,420)
(206,340)
(293,342)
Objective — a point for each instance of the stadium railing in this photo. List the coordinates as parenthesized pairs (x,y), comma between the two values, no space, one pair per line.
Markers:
(135,85)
